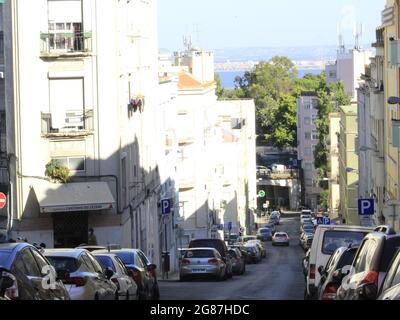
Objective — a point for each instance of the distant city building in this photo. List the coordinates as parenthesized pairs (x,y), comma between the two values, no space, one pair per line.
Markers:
(333,164)
(307,139)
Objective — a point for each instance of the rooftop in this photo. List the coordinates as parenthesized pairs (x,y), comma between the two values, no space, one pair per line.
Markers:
(187,81)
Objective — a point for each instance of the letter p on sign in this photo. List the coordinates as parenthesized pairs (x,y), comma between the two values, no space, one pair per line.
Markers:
(366,207)
(166,206)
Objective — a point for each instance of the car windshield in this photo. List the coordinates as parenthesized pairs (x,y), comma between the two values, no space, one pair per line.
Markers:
(281,235)
(106,262)
(126,257)
(199,254)
(336,239)
(64,263)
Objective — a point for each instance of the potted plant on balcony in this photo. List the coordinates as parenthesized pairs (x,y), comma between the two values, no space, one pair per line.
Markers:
(56,171)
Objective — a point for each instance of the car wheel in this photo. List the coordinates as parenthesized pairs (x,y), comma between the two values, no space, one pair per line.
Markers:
(116,296)
(182,278)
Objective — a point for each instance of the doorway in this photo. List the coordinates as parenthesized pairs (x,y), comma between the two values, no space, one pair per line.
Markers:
(70,229)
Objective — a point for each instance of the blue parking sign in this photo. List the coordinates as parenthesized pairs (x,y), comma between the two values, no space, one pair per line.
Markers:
(366,207)
(166,205)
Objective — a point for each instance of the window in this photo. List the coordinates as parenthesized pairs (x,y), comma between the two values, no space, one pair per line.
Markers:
(315,135)
(396,279)
(42,263)
(307,135)
(96,265)
(106,262)
(336,239)
(307,106)
(121,265)
(87,263)
(72,163)
(307,121)
(29,264)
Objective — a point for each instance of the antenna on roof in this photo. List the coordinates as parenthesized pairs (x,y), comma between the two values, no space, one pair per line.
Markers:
(342,46)
(358,33)
(188,42)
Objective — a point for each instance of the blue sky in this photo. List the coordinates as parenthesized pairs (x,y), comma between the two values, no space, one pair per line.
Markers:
(264,23)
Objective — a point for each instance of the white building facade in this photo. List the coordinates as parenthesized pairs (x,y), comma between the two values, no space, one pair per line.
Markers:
(71,96)
(307,138)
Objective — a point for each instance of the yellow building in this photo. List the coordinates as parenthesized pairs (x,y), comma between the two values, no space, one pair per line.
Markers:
(390,32)
(348,165)
(334,188)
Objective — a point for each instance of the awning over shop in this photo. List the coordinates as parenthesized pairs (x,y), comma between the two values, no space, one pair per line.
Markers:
(72,197)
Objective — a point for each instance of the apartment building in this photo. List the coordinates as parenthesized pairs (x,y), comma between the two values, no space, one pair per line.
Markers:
(81,88)
(348,165)
(333,164)
(348,68)
(307,137)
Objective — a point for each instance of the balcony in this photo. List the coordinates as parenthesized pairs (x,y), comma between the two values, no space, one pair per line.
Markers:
(77,123)
(284,175)
(380,40)
(64,45)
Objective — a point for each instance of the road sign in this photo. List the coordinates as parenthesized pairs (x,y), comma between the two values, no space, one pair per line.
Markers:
(3,200)
(166,205)
(323,221)
(262,194)
(366,207)
(230,226)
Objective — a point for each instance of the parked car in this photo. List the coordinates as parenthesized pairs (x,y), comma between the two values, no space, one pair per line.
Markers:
(261,170)
(275,217)
(142,271)
(91,248)
(272,227)
(254,253)
(306,212)
(369,267)
(264,234)
(24,271)
(127,288)
(242,249)
(260,246)
(238,261)
(391,286)
(245,239)
(306,240)
(327,239)
(307,228)
(334,271)
(203,262)
(83,276)
(281,238)
(305,263)
(216,244)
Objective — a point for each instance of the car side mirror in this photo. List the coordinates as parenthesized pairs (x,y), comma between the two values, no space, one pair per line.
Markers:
(321,270)
(108,273)
(368,291)
(151,267)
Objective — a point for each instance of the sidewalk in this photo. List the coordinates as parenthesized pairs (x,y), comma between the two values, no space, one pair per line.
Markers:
(172,277)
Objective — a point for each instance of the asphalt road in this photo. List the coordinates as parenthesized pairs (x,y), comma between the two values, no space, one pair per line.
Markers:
(278,277)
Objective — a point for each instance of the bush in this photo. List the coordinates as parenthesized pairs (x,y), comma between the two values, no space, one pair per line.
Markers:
(55,170)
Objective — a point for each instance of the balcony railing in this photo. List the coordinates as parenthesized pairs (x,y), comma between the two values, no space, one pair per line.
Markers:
(283,175)
(76,124)
(65,44)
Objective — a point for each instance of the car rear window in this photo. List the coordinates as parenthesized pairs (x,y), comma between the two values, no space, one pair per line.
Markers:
(126,257)
(64,263)
(209,243)
(106,262)
(199,254)
(280,235)
(389,251)
(335,239)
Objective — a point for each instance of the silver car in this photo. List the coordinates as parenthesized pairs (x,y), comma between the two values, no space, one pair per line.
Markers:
(281,239)
(83,276)
(127,288)
(203,262)
(261,246)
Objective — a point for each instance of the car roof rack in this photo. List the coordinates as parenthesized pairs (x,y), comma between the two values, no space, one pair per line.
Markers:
(386,229)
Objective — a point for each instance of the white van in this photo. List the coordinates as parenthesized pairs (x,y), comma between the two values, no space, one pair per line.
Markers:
(327,239)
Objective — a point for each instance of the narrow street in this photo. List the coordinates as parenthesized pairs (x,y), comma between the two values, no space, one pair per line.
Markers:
(278,277)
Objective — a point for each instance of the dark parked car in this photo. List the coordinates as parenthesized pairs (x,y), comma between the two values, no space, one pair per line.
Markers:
(391,286)
(334,271)
(264,234)
(216,244)
(29,270)
(238,261)
(369,267)
(142,271)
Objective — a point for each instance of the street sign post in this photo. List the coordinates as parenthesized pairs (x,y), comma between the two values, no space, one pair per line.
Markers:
(366,207)
(3,200)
